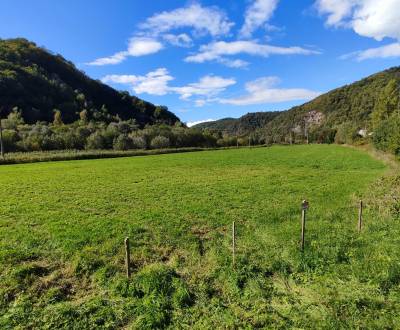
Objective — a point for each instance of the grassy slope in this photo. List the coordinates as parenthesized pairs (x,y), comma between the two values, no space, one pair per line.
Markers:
(62,227)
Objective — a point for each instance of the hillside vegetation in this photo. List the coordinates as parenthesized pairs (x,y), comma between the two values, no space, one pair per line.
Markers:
(38,83)
(365,111)
(241,126)
(47,104)
(62,228)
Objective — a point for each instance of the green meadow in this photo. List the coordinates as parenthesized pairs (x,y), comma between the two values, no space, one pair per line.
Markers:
(63,225)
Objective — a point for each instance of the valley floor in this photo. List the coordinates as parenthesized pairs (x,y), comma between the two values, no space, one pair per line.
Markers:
(63,224)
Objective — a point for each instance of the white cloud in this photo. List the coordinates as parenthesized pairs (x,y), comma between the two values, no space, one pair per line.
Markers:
(336,10)
(143,46)
(207,86)
(378,19)
(369,18)
(180,40)
(387,51)
(263,90)
(217,50)
(157,83)
(233,63)
(257,14)
(113,59)
(192,123)
(138,46)
(203,20)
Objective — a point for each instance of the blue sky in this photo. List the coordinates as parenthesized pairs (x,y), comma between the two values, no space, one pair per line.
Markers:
(215,59)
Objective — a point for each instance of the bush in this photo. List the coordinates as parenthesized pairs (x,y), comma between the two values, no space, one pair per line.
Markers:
(138,142)
(346,133)
(227,141)
(37,138)
(386,136)
(159,142)
(322,135)
(96,141)
(75,138)
(122,142)
(10,139)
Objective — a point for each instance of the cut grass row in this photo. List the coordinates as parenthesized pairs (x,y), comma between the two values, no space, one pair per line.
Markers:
(64,155)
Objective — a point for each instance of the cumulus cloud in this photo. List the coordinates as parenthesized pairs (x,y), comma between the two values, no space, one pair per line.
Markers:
(263,90)
(192,123)
(217,51)
(180,40)
(110,60)
(143,46)
(233,63)
(378,19)
(154,83)
(155,31)
(138,46)
(257,14)
(202,20)
(207,86)
(368,18)
(388,51)
(335,10)
(157,83)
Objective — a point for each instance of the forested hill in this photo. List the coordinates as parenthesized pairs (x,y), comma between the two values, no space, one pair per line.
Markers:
(366,109)
(38,83)
(348,109)
(240,126)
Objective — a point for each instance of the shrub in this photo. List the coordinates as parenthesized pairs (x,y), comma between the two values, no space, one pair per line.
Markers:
(386,136)
(74,139)
(159,142)
(10,139)
(122,142)
(346,133)
(138,142)
(96,141)
(227,141)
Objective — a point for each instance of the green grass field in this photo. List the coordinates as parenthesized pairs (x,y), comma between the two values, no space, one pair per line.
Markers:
(63,224)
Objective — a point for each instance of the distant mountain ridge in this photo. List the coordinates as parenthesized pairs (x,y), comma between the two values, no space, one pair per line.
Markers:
(240,126)
(336,116)
(38,82)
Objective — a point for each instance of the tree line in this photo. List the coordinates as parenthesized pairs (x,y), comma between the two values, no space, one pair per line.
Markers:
(90,134)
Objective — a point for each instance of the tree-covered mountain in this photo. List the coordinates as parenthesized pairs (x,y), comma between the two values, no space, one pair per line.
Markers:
(366,110)
(240,126)
(39,83)
(344,111)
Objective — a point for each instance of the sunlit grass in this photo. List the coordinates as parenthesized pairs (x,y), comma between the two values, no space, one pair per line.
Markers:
(62,227)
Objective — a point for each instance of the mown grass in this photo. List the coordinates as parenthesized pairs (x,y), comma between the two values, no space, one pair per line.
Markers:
(64,155)
(62,227)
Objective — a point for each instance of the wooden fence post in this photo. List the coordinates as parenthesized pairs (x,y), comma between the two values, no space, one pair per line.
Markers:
(233,243)
(360,216)
(127,258)
(304,207)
